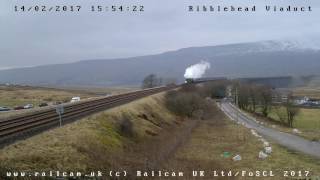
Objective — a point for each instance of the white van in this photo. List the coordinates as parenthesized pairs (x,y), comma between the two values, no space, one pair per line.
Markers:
(75,99)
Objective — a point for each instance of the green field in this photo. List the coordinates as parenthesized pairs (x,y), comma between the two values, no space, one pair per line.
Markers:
(307,119)
(19,95)
(313,92)
(12,96)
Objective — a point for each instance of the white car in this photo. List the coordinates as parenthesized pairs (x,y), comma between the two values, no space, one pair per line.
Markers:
(28,106)
(75,99)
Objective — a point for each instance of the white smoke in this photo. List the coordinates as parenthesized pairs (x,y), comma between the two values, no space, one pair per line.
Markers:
(197,70)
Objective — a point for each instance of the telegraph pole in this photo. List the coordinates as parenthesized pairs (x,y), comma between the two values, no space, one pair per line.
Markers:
(60,111)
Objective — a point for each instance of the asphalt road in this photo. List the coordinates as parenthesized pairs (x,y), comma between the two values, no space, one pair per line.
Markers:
(290,141)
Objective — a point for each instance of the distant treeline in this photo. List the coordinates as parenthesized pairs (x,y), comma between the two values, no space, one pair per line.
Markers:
(279,82)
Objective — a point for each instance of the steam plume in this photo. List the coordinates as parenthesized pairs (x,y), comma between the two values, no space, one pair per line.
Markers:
(197,70)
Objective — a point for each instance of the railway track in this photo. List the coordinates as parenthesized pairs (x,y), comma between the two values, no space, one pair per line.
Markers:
(23,126)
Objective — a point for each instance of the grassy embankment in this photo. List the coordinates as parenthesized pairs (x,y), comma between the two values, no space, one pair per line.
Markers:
(103,140)
(154,139)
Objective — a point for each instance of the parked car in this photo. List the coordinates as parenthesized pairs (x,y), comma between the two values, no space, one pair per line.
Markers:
(4,108)
(75,99)
(57,103)
(43,104)
(18,107)
(28,106)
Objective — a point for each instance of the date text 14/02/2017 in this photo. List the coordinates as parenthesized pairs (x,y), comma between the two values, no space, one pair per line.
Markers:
(78,8)
(254,8)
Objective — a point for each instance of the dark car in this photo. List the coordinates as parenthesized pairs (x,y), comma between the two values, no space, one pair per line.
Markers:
(57,103)
(4,109)
(18,108)
(43,104)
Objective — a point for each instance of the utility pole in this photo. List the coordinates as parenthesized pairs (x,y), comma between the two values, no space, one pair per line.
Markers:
(237,93)
(237,97)
(237,112)
(60,111)
(237,116)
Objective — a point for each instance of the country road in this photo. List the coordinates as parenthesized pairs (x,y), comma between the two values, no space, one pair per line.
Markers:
(290,141)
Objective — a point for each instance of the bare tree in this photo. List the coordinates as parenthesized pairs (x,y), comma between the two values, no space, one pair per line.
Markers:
(249,96)
(243,96)
(254,96)
(266,99)
(292,110)
(151,81)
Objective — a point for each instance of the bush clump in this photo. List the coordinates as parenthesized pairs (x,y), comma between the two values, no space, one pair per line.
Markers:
(185,103)
(126,127)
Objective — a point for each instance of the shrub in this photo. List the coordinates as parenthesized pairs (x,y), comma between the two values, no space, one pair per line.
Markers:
(126,127)
(48,99)
(191,88)
(185,103)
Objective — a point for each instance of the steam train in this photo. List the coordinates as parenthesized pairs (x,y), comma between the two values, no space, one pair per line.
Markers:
(200,80)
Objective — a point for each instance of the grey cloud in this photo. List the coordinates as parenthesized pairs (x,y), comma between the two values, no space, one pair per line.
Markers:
(35,39)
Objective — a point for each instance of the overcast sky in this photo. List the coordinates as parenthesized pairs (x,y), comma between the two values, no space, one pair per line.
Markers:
(29,39)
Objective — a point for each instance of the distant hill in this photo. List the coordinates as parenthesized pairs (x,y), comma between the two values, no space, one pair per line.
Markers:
(260,59)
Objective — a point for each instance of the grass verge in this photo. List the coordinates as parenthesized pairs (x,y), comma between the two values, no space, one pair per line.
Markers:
(218,135)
